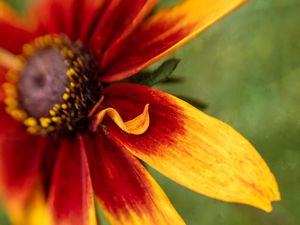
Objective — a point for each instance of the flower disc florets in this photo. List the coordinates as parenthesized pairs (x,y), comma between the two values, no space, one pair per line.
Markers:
(54,88)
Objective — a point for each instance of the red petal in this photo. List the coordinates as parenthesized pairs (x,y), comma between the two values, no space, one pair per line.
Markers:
(163,33)
(2,80)
(48,164)
(119,20)
(192,148)
(57,16)
(126,191)
(92,11)
(20,157)
(13,32)
(71,195)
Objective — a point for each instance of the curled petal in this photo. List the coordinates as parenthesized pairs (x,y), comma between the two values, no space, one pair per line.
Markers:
(163,33)
(71,195)
(192,148)
(125,190)
(136,126)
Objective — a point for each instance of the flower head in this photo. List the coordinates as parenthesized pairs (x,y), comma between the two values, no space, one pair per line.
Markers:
(67,132)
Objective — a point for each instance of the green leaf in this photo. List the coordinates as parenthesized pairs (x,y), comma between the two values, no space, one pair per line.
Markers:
(194,102)
(173,80)
(160,75)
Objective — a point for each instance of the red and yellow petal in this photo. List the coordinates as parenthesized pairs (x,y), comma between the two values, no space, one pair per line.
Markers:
(163,33)
(118,21)
(126,191)
(71,195)
(14,34)
(20,158)
(192,148)
(34,212)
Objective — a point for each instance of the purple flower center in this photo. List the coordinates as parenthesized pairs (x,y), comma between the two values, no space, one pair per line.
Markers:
(56,87)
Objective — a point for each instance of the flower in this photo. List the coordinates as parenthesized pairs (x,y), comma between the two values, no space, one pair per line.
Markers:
(67,133)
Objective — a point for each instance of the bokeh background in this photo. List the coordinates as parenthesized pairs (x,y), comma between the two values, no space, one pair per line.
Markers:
(247,69)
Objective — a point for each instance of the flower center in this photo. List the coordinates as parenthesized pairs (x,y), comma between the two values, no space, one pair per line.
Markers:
(55,87)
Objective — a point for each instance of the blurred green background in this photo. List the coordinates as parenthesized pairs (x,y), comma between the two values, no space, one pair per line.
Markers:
(247,69)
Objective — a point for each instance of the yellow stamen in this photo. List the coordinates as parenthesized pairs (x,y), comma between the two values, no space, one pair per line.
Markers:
(9,60)
(136,126)
(30,122)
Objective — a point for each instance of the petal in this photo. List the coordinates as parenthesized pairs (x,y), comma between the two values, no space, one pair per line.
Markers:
(56,16)
(20,155)
(92,10)
(34,212)
(13,32)
(2,80)
(71,195)
(136,126)
(192,148)
(126,191)
(119,19)
(163,33)
(20,158)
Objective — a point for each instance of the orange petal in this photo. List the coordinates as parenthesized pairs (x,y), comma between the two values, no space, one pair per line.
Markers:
(136,126)
(71,195)
(192,148)
(163,33)
(126,191)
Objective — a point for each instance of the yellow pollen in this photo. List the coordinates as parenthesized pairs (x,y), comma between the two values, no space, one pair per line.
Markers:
(45,122)
(28,49)
(18,114)
(64,106)
(8,60)
(33,130)
(31,122)
(70,54)
(71,72)
(56,120)
(65,97)
(56,107)
(52,112)
(11,102)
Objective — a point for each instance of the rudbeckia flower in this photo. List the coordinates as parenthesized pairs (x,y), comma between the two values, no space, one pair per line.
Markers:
(72,136)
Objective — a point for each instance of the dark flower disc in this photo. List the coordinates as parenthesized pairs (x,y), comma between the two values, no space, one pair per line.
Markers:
(56,87)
